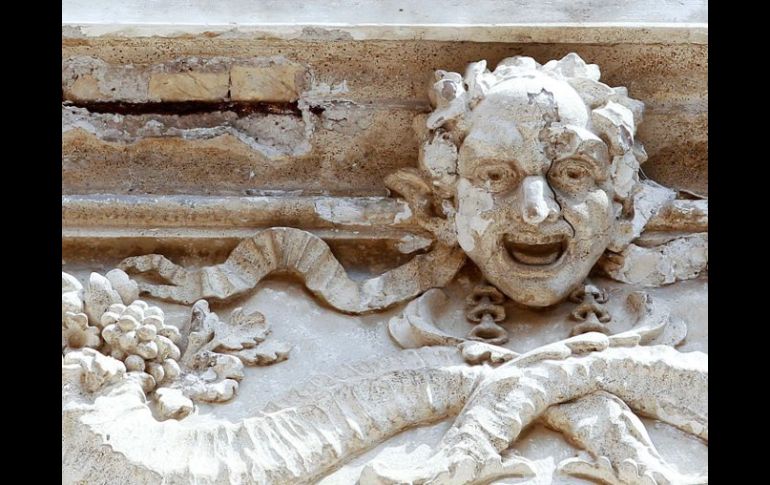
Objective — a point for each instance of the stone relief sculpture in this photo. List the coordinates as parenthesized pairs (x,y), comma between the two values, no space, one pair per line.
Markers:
(529,170)
(304,254)
(144,349)
(654,331)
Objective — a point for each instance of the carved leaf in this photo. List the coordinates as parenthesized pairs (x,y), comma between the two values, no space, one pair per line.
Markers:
(242,332)
(172,404)
(211,377)
(266,353)
(199,389)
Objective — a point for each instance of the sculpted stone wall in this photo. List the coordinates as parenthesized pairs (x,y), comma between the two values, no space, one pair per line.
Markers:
(524,306)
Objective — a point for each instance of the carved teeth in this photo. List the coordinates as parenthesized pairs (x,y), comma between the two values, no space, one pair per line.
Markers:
(544,252)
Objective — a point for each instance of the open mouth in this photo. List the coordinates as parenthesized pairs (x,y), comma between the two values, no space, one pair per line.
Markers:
(536,253)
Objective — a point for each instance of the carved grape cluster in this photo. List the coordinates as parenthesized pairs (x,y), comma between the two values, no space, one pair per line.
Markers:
(136,335)
(108,335)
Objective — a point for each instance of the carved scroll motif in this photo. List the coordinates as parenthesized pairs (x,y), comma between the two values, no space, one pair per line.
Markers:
(306,255)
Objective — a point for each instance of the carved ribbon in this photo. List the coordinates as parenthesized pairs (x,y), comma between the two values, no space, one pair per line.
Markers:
(306,255)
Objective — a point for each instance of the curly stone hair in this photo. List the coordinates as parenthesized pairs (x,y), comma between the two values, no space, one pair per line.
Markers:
(614,118)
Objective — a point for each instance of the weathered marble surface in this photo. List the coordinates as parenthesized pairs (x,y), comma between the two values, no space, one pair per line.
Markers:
(208,362)
(321,339)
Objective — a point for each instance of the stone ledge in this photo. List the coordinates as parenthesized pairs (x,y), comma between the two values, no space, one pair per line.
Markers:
(172,216)
(204,213)
(546,33)
(587,21)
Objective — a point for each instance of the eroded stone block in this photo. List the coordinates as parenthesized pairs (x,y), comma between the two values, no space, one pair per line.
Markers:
(274,82)
(189,86)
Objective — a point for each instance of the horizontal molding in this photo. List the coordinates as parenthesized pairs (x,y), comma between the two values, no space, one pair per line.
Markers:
(83,234)
(549,32)
(233,211)
(203,217)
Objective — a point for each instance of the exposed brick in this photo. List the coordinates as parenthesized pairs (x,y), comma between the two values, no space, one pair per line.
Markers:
(276,82)
(189,86)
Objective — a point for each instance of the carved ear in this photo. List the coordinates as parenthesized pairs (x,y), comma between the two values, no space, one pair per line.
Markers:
(639,152)
(646,199)
(420,196)
(616,123)
(620,96)
(409,183)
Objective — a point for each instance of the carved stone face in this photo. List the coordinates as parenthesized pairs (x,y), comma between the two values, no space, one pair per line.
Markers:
(535,200)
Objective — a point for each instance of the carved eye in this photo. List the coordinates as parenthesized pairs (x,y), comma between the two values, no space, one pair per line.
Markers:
(572,175)
(496,177)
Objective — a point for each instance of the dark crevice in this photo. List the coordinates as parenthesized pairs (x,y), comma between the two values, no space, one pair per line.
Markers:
(317,110)
(181,108)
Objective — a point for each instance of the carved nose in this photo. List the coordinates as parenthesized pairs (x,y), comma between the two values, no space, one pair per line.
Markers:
(538,201)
